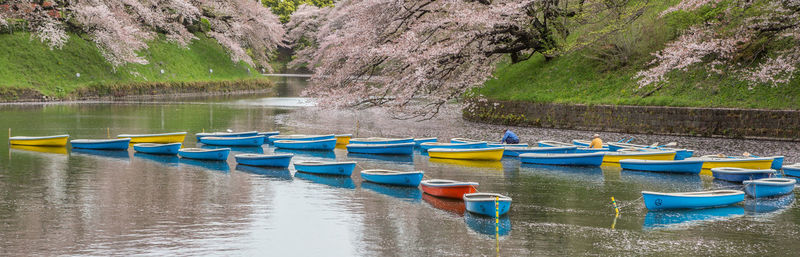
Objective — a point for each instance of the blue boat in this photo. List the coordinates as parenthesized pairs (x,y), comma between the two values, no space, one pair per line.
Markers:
(205,154)
(329,168)
(549,143)
(409,194)
(484,204)
(683,218)
(399,148)
(570,159)
(488,225)
(767,187)
(271,160)
(153,148)
(681,166)
(101,144)
(269,134)
(432,145)
(691,200)
(237,149)
(390,177)
(680,154)
(272,172)
(591,150)
(324,144)
(381,140)
(516,151)
(738,174)
(755,206)
(418,141)
(299,137)
(328,180)
(233,141)
(226,134)
(508,145)
(792,170)
(777,162)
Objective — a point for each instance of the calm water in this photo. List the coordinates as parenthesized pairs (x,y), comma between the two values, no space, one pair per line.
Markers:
(71,202)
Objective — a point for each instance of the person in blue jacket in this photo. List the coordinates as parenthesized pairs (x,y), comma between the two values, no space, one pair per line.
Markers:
(509,137)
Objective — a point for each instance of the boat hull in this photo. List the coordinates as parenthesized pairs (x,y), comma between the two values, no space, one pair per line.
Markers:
(274,138)
(678,166)
(40,141)
(737,163)
(114,144)
(343,169)
(170,149)
(739,176)
(759,188)
(487,154)
(402,179)
(380,141)
(214,155)
(456,192)
(280,160)
(396,149)
(419,141)
(615,157)
(233,141)
(343,139)
(487,207)
(583,159)
(200,136)
(666,202)
(325,144)
(516,151)
(454,145)
(793,170)
(156,138)
(777,162)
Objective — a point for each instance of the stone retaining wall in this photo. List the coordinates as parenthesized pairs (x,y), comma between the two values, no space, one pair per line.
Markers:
(707,122)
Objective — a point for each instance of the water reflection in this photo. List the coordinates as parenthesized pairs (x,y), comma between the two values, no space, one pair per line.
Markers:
(411,194)
(580,173)
(666,181)
(220,166)
(271,172)
(488,225)
(330,180)
(399,159)
(113,154)
(168,160)
(772,205)
(237,149)
(480,165)
(307,153)
(686,218)
(41,149)
(453,206)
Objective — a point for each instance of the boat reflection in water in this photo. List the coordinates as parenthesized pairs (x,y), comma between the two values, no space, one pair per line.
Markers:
(665,181)
(169,160)
(486,225)
(111,154)
(411,194)
(402,159)
(772,205)
(237,149)
(220,166)
(41,149)
(684,218)
(484,165)
(455,206)
(271,172)
(307,153)
(581,173)
(330,180)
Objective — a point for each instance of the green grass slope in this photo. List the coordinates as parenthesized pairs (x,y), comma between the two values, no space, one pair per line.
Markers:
(28,63)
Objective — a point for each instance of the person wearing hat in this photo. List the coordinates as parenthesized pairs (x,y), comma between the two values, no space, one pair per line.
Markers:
(509,137)
(596,142)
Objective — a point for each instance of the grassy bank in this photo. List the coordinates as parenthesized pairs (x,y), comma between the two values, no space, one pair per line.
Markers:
(578,77)
(30,68)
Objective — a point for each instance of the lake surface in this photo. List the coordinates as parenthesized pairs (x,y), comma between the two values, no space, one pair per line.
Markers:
(73,202)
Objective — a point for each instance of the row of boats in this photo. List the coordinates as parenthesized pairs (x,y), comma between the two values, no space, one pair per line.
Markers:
(757,174)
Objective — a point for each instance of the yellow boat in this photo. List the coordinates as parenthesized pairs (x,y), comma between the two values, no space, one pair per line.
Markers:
(492,165)
(713,161)
(164,138)
(41,149)
(486,154)
(613,158)
(58,140)
(343,139)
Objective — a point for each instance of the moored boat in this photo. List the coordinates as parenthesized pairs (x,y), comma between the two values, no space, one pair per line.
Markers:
(508,145)
(163,138)
(585,143)
(419,141)
(713,161)
(615,157)
(550,143)
(488,154)
(153,148)
(396,148)
(57,140)
(591,150)
(792,170)
(448,188)
(460,140)
(324,144)
(767,187)
(569,159)
(324,167)
(516,151)
(270,160)
(343,139)
(233,141)
(299,137)
(432,145)
(674,166)
(680,154)
(391,177)
(268,134)
(739,174)
(488,204)
(226,134)
(380,140)
(220,154)
(777,162)
(101,144)
(691,200)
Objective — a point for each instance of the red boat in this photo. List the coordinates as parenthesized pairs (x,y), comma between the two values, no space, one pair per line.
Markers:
(448,188)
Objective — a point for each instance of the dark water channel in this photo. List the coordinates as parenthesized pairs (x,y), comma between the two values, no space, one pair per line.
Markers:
(71,202)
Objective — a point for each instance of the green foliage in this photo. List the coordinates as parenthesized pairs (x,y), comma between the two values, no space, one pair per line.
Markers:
(28,63)
(285,8)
